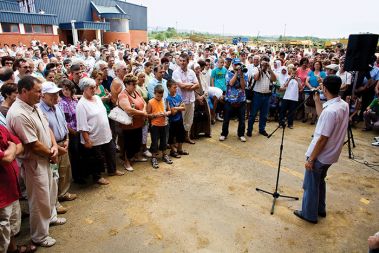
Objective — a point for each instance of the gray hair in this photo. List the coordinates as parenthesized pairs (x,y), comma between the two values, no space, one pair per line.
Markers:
(86,82)
(119,65)
(99,63)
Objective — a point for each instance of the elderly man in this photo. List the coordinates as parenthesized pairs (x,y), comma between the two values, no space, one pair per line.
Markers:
(26,121)
(103,67)
(57,122)
(263,79)
(89,61)
(187,82)
(23,70)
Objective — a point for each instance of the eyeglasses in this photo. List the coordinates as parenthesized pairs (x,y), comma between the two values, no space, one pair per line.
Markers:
(26,67)
(9,63)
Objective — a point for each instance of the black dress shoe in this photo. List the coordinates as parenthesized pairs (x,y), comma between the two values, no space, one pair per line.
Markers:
(298,214)
(248,134)
(264,133)
(323,215)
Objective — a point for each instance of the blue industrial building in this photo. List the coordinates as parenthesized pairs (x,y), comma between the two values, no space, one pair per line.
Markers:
(71,20)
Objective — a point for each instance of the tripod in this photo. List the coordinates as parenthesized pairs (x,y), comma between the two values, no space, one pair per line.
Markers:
(276,194)
(350,140)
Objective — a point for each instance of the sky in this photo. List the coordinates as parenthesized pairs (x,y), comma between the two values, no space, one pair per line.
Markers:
(319,18)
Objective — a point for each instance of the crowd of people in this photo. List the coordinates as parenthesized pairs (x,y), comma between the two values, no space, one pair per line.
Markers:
(56,101)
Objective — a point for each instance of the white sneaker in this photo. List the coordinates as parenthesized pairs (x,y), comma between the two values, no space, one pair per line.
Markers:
(222,138)
(375,143)
(47,242)
(219,118)
(130,168)
(58,221)
(243,139)
(147,153)
(376,139)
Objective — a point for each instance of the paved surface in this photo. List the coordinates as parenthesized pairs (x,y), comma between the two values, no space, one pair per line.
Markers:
(207,202)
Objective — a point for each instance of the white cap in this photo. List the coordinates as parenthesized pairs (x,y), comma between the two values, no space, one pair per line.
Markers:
(49,87)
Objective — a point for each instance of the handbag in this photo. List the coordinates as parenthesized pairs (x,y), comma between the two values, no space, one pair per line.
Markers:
(119,115)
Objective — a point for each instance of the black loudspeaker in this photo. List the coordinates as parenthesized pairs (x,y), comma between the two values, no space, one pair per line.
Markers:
(360,51)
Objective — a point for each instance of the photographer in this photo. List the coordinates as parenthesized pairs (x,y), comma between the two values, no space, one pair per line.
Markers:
(291,96)
(235,100)
(262,86)
(325,148)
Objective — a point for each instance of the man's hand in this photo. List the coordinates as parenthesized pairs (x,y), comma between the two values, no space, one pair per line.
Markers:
(309,165)
(316,97)
(88,144)
(54,154)
(373,242)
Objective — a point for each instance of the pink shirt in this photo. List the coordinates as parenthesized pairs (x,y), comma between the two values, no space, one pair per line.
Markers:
(302,74)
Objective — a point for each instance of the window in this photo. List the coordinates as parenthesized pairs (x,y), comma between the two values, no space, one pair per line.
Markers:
(48,29)
(10,28)
(38,29)
(28,28)
(27,6)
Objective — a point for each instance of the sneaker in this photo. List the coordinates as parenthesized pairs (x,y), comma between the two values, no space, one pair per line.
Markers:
(167,159)
(376,139)
(218,118)
(290,127)
(154,163)
(222,138)
(147,153)
(375,143)
(128,168)
(47,242)
(58,221)
(242,139)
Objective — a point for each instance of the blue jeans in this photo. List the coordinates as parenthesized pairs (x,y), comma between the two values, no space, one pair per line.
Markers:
(228,112)
(260,103)
(314,191)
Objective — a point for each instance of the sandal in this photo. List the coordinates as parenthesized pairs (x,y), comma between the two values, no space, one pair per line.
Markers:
(67,197)
(58,221)
(174,154)
(154,163)
(102,181)
(183,152)
(47,242)
(117,173)
(167,159)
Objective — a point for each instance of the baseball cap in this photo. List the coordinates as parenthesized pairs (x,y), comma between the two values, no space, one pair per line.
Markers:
(50,87)
(228,59)
(332,67)
(236,61)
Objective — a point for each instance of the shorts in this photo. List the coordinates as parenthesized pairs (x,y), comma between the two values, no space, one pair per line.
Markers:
(176,132)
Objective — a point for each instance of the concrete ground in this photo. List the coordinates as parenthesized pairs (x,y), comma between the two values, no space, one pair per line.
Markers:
(207,202)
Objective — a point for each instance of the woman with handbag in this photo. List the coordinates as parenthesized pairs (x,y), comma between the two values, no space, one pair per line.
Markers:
(134,105)
(96,136)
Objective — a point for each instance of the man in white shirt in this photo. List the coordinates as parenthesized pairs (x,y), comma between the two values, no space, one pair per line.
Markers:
(325,148)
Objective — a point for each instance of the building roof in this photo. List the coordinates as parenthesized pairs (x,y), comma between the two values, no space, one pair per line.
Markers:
(28,18)
(111,12)
(86,25)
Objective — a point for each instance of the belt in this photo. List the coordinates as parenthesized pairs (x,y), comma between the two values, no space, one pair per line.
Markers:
(63,140)
(263,94)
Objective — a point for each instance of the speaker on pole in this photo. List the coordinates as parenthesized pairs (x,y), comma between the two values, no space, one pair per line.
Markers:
(360,51)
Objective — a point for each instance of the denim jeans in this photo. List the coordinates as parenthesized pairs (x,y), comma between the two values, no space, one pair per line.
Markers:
(260,103)
(228,112)
(314,191)
(290,106)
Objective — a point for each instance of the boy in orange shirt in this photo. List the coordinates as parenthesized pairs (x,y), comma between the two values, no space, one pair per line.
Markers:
(158,131)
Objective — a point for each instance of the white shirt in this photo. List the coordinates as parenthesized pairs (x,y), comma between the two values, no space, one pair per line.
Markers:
(91,117)
(263,84)
(345,77)
(188,76)
(333,124)
(292,91)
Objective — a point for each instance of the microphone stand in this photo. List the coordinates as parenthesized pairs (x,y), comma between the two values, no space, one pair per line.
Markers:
(276,194)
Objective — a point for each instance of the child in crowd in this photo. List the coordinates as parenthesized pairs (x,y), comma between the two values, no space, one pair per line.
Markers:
(176,133)
(158,130)
(290,98)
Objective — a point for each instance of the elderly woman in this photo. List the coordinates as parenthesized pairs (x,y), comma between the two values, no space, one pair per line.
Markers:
(134,105)
(68,103)
(9,93)
(98,76)
(96,136)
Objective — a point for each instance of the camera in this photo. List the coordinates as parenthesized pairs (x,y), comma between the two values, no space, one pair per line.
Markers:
(242,67)
(312,91)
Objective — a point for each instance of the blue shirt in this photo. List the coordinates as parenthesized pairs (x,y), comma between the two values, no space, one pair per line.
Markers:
(235,93)
(313,79)
(57,121)
(154,82)
(219,78)
(175,102)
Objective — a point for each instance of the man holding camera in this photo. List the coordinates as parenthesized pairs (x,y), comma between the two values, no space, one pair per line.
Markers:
(325,148)
(261,86)
(235,99)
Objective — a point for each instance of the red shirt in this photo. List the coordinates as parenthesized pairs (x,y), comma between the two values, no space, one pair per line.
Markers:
(9,188)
